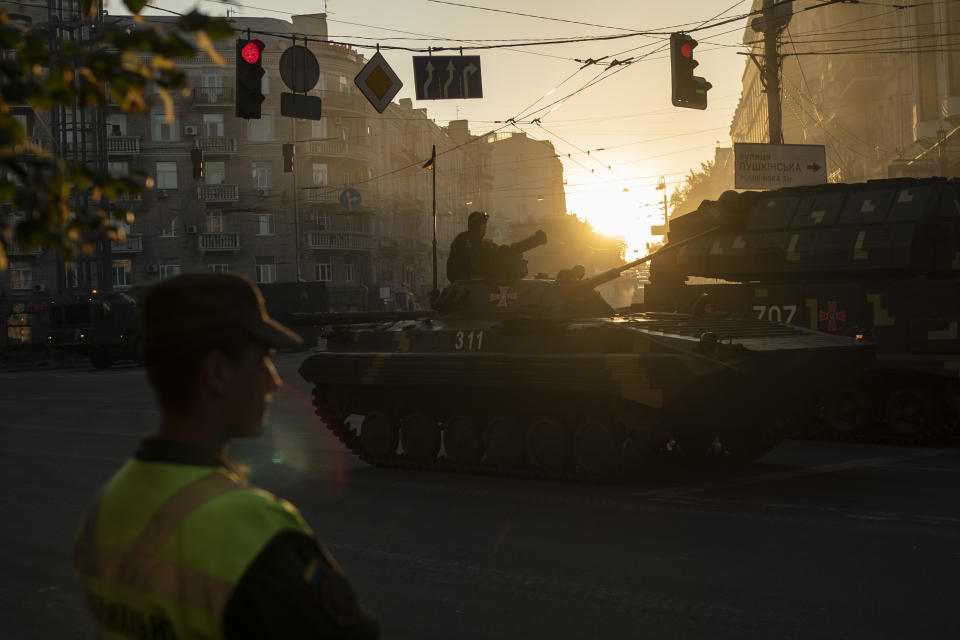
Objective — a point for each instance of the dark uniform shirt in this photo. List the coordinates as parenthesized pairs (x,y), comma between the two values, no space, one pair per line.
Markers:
(293,588)
(470,258)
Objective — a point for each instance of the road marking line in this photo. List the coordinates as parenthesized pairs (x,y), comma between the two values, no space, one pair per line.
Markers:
(786,475)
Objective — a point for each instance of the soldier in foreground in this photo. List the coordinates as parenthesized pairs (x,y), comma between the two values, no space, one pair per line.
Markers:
(177,544)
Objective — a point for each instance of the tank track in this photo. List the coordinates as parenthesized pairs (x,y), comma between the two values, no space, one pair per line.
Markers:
(627,468)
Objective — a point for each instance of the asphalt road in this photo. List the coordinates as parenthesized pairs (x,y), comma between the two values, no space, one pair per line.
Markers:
(817,540)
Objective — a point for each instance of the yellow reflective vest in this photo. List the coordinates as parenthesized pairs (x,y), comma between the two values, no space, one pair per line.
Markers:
(161,550)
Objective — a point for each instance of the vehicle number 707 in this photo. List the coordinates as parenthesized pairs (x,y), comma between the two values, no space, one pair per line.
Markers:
(776,313)
(471,341)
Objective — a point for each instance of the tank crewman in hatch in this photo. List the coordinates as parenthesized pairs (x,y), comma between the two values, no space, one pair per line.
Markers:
(177,544)
(470,250)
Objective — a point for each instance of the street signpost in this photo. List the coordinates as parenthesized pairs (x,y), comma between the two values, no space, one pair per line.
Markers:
(378,82)
(771,166)
(300,71)
(447,77)
(350,199)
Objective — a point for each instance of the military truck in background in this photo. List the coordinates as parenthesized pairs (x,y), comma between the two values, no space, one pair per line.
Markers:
(879,260)
(102,327)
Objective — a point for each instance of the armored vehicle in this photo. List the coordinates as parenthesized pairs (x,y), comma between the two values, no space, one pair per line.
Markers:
(104,328)
(541,377)
(879,260)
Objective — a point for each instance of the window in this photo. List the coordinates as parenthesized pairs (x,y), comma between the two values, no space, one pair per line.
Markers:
(261,175)
(264,224)
(260,130)
(347,178)
(343,83)
(71,276)
(219,267)
(344,134)
(266,269)
(166,175)
(170,230)
(320,174)
(162,130)
(214,172)
(324,271)
(351,270)
(122,273)
(212,87)
(21,275)
(168,270)
(117,169)
(215,222)
(318,128)
(213,124)
(265,82)
(323,222)
(117,124)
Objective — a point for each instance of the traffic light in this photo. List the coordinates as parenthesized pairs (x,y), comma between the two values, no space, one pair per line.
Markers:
(196,158)
(689,91)
(288,151)
(249,75)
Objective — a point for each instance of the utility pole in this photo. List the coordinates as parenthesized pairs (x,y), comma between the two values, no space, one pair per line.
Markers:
(772,26)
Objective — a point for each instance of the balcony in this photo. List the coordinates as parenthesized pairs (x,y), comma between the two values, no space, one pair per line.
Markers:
(218,192)
(213,96)
(322,194)
(123,145)
(348,100)
(340,240)
(126,196)
(338,150)
(16,250)
(217,145)
(219,242)
(134,244)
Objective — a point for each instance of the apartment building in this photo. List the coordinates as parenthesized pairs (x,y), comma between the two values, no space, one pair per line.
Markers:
(878,86)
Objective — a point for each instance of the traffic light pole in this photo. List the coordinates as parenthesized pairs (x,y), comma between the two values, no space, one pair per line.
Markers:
(771,71)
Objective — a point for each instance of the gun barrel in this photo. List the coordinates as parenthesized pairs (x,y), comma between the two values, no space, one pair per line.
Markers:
(532,242)
(612,274)
(358,317)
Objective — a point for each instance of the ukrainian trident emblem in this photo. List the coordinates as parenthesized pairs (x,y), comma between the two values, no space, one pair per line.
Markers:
(502,296)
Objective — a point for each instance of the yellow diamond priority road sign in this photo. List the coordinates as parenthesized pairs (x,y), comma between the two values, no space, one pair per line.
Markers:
(378,82)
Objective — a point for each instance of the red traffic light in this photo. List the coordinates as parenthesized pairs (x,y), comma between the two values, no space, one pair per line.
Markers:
(686,50)
(251,51)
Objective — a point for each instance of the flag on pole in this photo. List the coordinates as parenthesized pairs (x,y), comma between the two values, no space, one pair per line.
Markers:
(433,159)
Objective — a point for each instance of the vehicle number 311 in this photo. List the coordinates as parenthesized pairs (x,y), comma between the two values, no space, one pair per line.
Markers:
(471,341)
(775,313)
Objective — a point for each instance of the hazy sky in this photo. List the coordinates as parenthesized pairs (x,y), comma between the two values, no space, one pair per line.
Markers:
(629,113)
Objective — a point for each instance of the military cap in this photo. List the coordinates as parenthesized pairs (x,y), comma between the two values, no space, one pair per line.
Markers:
(477,217)
(188,306)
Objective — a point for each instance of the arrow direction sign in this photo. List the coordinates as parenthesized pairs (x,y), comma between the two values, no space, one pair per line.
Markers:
(771,166)
(447,77)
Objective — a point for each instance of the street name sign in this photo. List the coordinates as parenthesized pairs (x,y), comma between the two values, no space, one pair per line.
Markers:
(378,82)
(771,166)
(447,77)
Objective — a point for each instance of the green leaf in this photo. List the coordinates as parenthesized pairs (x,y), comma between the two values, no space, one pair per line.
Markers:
(135,6)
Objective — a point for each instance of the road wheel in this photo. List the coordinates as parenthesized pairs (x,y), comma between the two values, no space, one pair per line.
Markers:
(420,436)
(332,405)
(548,444)
(597,448)
(913,411)
(463,439)
(844,411)
(379,434)
(503,442)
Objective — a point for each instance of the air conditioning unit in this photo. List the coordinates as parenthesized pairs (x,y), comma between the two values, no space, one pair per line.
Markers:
(151,268)
(39,288)
(190,130)
(191,228)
